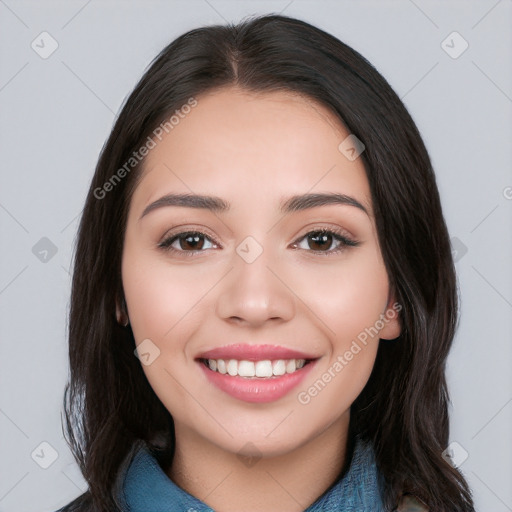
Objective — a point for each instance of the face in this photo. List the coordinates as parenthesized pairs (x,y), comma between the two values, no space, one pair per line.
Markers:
(257,316)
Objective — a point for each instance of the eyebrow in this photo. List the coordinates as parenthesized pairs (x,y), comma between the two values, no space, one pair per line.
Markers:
(218,205)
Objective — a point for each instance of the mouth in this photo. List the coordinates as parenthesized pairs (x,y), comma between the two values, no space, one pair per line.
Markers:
(255,373)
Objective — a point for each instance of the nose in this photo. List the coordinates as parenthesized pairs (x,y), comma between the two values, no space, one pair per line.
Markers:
(254,293)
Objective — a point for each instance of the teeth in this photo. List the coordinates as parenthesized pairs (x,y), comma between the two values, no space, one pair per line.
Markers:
(232,367)
(246,369)
(279,367)
(263,369)
(291,366)
(221,366)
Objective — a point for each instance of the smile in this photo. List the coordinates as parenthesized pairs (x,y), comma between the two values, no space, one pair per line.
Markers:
(255,373)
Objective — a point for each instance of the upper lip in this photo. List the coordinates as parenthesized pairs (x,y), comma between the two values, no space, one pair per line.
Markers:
(248,352)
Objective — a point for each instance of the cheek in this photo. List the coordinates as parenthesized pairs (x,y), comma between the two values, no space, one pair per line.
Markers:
(162,306)
(158,295)
(347,296)
(343,297)
(349,300)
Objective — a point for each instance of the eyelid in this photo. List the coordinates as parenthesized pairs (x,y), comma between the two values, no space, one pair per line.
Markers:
(315,228)
(180,230)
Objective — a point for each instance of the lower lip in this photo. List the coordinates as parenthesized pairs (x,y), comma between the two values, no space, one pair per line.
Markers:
(257,389)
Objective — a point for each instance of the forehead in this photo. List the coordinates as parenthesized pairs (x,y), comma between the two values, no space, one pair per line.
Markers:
(252,145)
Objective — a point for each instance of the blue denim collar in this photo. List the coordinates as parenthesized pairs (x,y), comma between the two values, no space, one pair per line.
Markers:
(142,485)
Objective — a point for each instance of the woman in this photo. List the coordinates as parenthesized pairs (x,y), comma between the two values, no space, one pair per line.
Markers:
(264,233)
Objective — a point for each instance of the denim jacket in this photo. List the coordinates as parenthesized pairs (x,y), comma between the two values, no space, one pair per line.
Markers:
(143,486)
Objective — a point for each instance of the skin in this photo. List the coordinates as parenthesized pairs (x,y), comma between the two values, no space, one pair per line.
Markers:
(254,150)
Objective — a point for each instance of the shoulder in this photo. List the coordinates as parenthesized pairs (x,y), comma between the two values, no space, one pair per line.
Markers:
(84,502)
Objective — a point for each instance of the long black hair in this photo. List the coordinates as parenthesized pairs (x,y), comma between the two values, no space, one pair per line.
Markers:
(403,409)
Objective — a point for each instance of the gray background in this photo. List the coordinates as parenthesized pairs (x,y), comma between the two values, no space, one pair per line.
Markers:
(57,112)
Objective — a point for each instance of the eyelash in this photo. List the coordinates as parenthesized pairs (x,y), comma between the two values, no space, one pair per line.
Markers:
(336,234)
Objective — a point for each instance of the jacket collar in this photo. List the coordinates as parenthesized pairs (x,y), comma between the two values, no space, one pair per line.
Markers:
(143,485)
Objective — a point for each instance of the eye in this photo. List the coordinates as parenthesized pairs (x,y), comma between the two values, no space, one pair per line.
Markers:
(322,241)
(187,242)
(325,241)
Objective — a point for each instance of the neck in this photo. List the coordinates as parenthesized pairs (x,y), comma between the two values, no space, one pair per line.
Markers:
(290,482)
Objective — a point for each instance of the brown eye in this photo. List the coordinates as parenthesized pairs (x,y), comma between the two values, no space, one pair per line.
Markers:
(322,241)
(186,242)
(193,242)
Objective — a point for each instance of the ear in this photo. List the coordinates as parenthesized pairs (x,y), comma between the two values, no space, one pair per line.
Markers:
(391,319)
(121,314)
